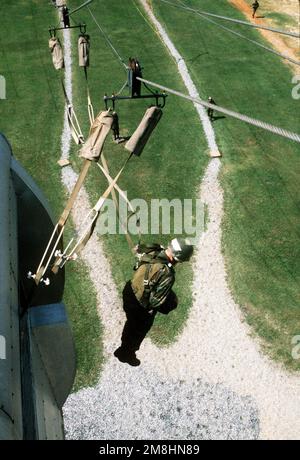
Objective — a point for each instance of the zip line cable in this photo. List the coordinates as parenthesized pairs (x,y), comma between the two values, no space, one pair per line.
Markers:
(251,121)
(271,50)
(144,17)
(80,7)
(108,41)
(238,21)
(284,56)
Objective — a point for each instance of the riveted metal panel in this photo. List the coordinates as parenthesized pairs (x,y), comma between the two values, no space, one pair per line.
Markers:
(10,375)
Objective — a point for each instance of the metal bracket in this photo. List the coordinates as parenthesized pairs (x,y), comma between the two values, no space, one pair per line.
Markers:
(157,96)
(46,281)
(53,30)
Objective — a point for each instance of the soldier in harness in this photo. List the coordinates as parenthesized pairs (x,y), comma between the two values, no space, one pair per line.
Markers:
(210,112)
(149,292)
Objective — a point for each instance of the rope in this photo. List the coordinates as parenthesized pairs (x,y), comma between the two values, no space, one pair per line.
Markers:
(80,7)
(94,213)
(90,105)
(60,226)
(108,41)
(73,120)
(251,121)
(105,171)
(237,21)
(123,87)
(270,50)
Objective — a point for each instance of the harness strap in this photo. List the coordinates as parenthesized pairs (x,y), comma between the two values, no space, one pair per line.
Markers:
(114,197)
(147,291)
(60,226)
(94,214)
(90,105)
(73,122)
(75,192)
(144,301)
(105,171)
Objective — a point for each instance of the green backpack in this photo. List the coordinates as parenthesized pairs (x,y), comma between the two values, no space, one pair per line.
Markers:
(147,271)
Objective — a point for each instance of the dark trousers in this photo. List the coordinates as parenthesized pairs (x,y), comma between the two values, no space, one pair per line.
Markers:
(138,323)
(210,113)
(139,320)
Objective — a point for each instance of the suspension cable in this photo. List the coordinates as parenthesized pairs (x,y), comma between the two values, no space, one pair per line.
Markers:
(284,56)
(108,41)
(238,21)
(251,121)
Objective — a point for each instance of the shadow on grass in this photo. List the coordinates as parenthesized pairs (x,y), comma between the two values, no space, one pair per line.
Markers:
(217,118)
(194,59)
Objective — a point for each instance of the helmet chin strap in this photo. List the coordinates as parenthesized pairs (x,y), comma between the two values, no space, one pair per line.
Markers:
(170,255)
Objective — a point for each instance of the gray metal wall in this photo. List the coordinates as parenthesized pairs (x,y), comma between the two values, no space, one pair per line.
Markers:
(38,372)
(10,376)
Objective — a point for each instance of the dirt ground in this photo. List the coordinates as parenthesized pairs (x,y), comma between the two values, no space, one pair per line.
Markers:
(289,8)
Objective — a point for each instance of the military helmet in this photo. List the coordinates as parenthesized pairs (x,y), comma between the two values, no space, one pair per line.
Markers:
(182,249)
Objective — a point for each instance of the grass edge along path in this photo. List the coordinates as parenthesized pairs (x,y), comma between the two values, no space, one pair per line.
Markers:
(259,172)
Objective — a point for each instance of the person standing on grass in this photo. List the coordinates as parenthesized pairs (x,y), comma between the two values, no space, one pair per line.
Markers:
(255,7)
(149,292)
(210,112)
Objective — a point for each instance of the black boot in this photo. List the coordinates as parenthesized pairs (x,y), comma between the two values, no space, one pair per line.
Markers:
(127,356)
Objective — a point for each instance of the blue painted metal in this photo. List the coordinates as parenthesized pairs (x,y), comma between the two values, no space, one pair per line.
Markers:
(47,315)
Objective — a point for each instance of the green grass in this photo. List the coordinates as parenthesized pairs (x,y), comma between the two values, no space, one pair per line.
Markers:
(260,173)
(173,162)
(282,19)
(32,118)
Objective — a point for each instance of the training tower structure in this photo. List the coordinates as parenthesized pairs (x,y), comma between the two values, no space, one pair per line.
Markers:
(37,359)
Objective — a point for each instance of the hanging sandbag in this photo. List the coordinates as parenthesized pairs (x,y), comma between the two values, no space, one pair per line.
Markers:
(101,127)
(84,50)
(141,135)
(57,53)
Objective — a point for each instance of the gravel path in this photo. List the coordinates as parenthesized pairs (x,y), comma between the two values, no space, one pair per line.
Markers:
(213,383)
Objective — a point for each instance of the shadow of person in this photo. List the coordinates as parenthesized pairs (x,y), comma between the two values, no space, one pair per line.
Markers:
(217,118)
(138,323)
